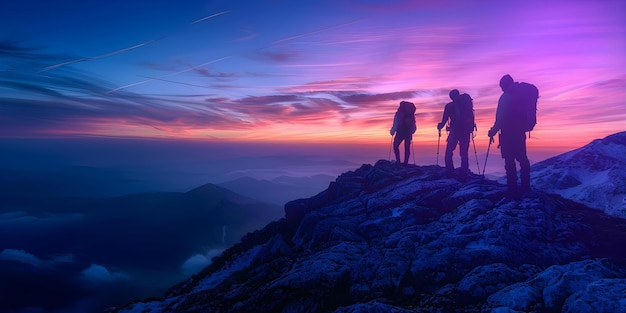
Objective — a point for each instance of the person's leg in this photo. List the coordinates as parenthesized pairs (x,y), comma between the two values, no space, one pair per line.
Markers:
(407,149)
(511,176)
(524,164)
(450,146)
(508,148)
(396,147)
(464,141)
(463,148)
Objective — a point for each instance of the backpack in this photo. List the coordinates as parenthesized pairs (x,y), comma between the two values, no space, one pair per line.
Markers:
(406,117)
(464,114)
(524,105)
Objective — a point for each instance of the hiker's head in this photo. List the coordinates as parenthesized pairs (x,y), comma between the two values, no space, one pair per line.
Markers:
(505,82)
(454,94)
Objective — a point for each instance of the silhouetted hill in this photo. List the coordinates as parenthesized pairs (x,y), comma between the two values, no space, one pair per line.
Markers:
(279,190)
(594,174)
(87,252)
(390,238)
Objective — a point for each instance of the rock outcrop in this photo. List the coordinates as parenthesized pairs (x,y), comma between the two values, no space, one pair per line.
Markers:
(391,238)
(594,175)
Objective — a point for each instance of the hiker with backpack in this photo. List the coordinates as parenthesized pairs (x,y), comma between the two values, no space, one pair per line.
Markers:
(403,128)
(515,115)
(460,113)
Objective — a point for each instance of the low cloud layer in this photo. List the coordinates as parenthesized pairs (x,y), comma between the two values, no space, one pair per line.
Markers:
(197,262)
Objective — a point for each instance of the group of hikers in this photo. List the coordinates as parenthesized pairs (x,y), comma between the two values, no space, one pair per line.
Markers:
(515,115)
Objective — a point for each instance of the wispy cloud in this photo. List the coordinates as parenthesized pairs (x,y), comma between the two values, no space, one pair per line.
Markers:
(209,17)
(25,257)
(55,66)
(375,99)
(99,274)
(284,40)
(20,256)
(191,68)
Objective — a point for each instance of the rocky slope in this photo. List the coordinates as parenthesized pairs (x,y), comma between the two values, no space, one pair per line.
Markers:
(389,238)
(594,175)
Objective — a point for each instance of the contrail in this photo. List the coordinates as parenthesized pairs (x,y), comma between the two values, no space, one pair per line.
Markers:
(210,16)
(62,64)
(166,75)
(311,33)
(122,50)
(130,85)
(99,56)
(174,82)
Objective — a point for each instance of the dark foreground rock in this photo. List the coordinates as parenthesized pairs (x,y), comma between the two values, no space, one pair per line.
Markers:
(390,238)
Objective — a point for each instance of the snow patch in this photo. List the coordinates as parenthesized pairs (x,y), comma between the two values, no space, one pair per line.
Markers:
(397,212)
(480,244)
(197,262)
(239,263)
(149,307)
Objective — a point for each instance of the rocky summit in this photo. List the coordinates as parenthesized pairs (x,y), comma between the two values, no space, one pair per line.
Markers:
(594,174)
(392,238)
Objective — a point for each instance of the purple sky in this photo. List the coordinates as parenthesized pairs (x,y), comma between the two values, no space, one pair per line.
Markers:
(305,72)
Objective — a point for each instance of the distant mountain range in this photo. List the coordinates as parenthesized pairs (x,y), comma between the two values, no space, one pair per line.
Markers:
(65,239)
(58,253)
(594,175)
(279,190)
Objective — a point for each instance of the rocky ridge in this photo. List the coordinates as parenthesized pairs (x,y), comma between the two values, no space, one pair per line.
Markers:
(390,238)
(594,175)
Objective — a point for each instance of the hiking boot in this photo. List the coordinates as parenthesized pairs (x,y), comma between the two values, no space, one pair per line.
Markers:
(513,193)
(462,178)
(462,175)
(450,173)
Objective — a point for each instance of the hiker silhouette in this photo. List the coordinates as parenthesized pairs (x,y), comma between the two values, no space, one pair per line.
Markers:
(403,128)
(460,114)
(512,139)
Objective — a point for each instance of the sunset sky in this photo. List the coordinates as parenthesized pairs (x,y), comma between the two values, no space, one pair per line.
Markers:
(326,71)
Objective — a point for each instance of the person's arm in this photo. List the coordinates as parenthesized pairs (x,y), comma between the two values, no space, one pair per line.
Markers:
(394,128)
(445,117)
(497,125)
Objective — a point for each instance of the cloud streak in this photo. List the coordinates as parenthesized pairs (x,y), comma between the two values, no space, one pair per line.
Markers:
(52,67)
(209,17)
(192,68)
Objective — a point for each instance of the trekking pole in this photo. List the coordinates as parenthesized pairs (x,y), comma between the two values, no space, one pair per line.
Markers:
(482,179)
(390,144)
(413,149)
(475,153)
(439,140)
(487,156)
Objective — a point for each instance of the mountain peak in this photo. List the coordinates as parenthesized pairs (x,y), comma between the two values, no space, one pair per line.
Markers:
(397,238)
(594,174)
